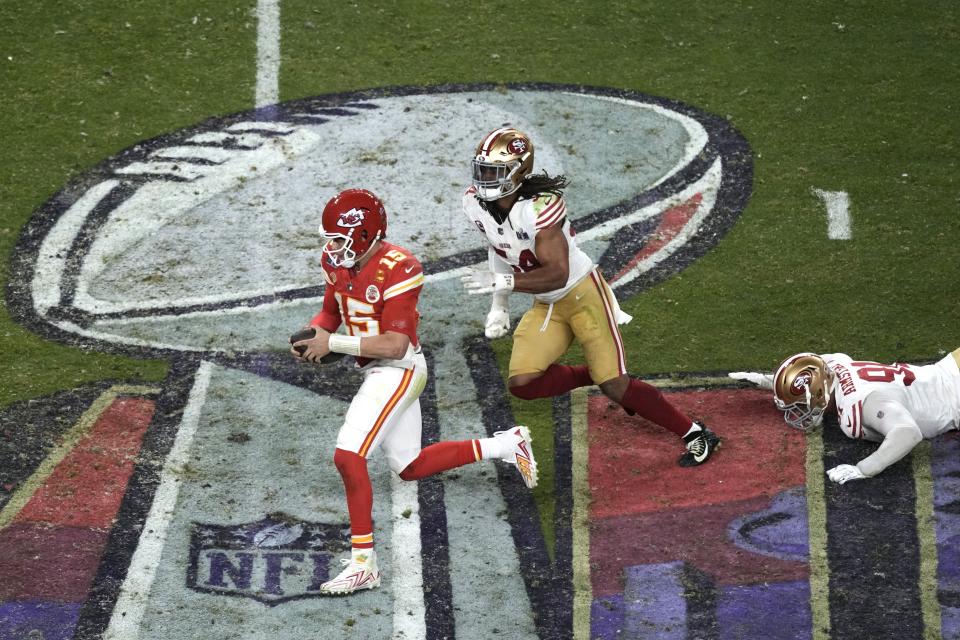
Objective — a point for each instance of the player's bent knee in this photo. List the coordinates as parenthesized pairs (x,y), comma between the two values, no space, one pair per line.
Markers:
(347,462)
(410,473)
(615,387)
(525,386)
(414,471)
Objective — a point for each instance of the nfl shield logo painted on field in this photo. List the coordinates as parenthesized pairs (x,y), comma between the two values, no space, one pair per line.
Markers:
(273,560)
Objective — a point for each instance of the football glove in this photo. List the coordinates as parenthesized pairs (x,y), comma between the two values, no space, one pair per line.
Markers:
(498,322)
(479,281)
(762,380)
(844,473)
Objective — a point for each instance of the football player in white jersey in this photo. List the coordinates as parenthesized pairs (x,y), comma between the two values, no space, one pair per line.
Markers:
(897,405)
(531,249)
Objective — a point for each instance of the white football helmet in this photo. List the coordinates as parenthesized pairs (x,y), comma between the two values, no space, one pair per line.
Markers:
(802,389)
(503,158)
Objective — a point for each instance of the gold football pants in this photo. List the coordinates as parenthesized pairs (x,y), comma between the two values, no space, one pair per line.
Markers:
(586,313)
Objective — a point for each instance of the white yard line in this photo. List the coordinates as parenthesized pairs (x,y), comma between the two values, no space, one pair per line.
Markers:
(406,568)
(135,591)
(268,52)
(838,213)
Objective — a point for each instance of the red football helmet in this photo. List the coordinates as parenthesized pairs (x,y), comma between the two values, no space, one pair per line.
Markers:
(352,222)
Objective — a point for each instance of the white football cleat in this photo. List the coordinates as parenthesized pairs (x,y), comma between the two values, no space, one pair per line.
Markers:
(519,452)
(354,577)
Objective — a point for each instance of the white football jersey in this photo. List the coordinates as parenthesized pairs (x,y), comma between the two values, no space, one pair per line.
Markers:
(515,240)
(931,392)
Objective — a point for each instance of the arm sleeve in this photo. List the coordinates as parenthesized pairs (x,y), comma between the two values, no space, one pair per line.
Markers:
(328,318)
(498,265)
(400,314)
(887,415)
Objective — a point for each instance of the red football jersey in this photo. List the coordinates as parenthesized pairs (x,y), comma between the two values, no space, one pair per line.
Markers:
(382,296)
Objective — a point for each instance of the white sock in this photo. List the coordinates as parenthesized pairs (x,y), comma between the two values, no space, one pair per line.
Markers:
(693,427)
(361,556)
(491,448)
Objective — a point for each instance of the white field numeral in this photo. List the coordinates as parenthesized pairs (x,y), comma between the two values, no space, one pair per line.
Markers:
(838,213)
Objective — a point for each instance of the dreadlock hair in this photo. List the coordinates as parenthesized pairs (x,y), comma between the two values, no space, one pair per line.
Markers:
(532,185)
(535,183)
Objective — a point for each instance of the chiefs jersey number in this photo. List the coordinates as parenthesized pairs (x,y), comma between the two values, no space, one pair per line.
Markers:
(359,316)
(362,318)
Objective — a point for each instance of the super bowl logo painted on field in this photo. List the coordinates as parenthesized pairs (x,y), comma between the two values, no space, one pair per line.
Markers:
(190,247)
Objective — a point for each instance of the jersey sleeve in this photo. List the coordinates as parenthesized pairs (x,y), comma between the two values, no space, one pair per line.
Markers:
(328,318)
(886,414)
(549,209)
(400,299)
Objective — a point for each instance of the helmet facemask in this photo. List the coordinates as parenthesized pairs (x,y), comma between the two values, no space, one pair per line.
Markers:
(803,416)
(495,180)
(344,255)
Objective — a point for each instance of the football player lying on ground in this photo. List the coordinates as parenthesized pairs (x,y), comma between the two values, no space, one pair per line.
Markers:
(373,287)
(897,405)
(532,249)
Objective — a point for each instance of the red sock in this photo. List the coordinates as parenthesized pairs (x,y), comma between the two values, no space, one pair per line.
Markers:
(356,483)
(555,381)
(440,457)
(646,400)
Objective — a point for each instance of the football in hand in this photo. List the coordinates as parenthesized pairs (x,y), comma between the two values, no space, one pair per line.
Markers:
(306,334)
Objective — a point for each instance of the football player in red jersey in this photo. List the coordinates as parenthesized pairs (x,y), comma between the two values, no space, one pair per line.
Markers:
(897,405)
(532,249)
(372,289)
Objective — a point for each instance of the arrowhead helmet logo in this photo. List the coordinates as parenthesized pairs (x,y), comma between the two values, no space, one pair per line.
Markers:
(351,219)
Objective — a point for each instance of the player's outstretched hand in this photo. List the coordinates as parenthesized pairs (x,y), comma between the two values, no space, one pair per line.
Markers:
(498,323)
(762,380)
(845,473)
(479,281)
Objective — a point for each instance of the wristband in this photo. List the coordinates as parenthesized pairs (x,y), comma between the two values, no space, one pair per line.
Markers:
(340,343)
(503,282)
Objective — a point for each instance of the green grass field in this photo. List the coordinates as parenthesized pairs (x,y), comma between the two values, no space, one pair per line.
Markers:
(859,97)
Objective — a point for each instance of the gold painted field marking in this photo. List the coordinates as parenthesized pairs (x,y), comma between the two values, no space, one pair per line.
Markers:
(927,538)
(582,592)
(817,537)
